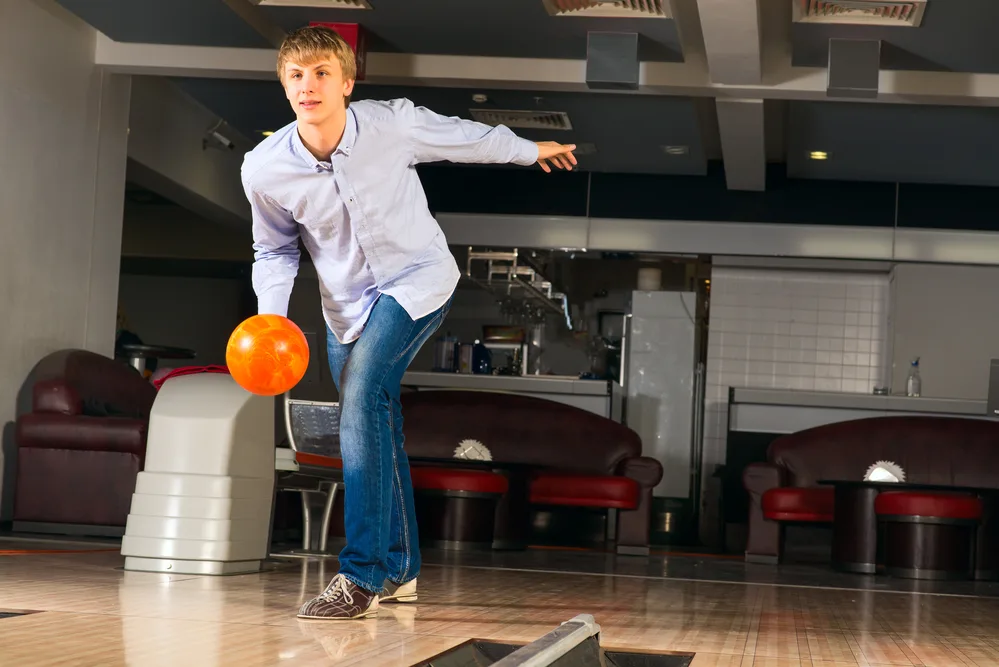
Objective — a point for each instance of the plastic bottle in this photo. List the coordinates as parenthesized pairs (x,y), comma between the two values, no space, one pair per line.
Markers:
(913,384)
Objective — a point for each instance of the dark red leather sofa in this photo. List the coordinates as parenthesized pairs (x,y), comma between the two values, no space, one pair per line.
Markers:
(81,445)
(932,450)
(578,459)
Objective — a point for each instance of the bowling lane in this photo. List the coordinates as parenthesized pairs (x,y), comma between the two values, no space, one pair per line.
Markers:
(103,615)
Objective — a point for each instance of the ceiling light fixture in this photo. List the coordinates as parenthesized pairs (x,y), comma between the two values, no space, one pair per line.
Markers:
(267,133)
(675,150)
(318,4)
(819,155)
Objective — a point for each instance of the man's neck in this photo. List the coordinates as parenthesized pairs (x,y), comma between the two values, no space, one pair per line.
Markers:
(322,140)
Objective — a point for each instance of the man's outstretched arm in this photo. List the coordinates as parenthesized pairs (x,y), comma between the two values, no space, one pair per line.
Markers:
(435,137)
(275,254)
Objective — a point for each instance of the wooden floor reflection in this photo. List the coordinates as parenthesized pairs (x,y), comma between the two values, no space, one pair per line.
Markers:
(90,612)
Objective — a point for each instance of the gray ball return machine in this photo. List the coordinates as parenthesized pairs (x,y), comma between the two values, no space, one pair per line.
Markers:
(575,643)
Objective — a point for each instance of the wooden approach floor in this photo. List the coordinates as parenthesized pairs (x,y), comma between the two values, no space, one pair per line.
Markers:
(91,612)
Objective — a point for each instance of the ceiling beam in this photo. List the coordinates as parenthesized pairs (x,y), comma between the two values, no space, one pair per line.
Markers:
(173,60)
(166,128)
(780,79)
(257,20)
(731,31)
(743,144)
(719,238)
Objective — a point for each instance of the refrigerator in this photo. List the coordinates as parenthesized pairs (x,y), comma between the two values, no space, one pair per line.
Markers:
(662,382)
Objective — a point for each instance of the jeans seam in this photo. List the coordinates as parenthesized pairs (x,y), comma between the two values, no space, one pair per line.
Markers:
(413,339)
(403,516)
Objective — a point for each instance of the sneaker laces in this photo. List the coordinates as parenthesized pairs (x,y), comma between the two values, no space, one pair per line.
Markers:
(337,589)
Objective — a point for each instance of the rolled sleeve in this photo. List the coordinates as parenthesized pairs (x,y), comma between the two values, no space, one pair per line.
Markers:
(435,137)
(275,253)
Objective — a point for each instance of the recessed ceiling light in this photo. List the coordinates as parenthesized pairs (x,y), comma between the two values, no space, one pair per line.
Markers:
(675,150)
(819,155)
(267,133)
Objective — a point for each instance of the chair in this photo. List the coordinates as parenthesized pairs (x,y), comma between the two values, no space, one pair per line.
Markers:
(311,466)
(80,444)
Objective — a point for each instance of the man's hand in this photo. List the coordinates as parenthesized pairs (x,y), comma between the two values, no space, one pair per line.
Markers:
(560,155)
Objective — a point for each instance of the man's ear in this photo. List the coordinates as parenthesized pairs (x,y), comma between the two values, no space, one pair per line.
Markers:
(348,87)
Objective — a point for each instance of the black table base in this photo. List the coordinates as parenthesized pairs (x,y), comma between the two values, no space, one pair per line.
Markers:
(917,550)
(862,546)
(855,530)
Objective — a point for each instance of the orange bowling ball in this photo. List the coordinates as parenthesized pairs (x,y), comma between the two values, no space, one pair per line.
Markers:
(267,354)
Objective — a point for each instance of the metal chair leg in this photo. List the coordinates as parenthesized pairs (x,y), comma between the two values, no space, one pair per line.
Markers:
(315,529)
(327,516)
(306,522)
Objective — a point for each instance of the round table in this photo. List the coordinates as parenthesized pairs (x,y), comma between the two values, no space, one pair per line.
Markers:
(855,524)
(513,515)
(138,353)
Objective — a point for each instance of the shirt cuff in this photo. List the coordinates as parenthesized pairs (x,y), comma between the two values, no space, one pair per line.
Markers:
(527,153)
(273,304)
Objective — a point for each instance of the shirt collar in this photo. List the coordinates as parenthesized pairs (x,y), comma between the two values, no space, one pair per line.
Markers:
(345,146)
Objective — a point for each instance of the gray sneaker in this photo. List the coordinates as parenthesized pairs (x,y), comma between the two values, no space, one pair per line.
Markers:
(398,592)
(341,601)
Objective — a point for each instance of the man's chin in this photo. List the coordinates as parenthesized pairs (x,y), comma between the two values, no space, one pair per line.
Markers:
(310,118)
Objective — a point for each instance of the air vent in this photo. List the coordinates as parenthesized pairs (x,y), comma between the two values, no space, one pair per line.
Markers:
(319,4)
(525,120)
(609,9)
(861,12)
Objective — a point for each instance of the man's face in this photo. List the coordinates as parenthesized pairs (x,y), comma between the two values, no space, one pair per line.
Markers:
(316,91)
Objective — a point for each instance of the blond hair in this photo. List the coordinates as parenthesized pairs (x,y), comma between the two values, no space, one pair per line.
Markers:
(311,44)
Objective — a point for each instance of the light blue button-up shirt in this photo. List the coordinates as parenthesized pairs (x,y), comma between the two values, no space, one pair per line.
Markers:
(363,215)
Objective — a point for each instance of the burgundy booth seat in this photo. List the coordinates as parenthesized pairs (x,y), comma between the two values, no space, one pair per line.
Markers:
(81,445)
(457,482)
(800,505)
(583,459)
(575,490)
(950,507)
(931,450)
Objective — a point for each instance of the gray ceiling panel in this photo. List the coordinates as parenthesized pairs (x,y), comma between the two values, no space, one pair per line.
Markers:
(502,28)
(955,35)
(628,131)
(188,22)
(888,142)
(894,142)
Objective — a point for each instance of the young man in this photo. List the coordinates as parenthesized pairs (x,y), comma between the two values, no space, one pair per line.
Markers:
(342,180)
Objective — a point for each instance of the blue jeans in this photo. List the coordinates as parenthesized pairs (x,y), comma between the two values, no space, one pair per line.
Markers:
(379,517)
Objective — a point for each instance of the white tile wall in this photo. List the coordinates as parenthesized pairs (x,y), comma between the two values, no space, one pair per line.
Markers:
(806,330)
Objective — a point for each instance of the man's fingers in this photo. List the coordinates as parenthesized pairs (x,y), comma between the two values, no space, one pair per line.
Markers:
(563,159)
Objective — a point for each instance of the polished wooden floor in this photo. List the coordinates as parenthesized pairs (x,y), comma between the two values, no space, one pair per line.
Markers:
(88,611)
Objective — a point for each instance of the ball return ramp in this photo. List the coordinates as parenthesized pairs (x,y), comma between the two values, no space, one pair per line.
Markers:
(575,643)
